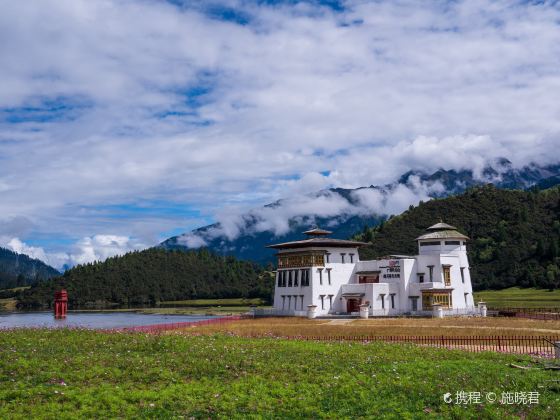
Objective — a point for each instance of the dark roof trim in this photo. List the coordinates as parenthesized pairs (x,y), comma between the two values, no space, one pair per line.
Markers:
(428,291)
(319,242)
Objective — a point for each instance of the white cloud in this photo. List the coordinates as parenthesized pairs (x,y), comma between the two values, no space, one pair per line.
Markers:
(95,107)
(87,249)
(18,246)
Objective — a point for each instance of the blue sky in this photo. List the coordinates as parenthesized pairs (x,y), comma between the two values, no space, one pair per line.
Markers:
(123,122)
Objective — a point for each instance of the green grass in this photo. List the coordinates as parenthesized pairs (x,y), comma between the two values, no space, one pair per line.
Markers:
(15,289)
(516,297)
(213,302)
(197,310)
(85,374)
(205,306)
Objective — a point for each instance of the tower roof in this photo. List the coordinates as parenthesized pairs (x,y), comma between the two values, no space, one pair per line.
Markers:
(442,231)
(317,232)
(441,226)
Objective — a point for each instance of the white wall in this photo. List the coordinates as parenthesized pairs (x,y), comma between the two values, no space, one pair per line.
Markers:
(405,285)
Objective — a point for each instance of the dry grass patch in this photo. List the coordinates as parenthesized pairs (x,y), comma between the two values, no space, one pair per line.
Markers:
(383,327)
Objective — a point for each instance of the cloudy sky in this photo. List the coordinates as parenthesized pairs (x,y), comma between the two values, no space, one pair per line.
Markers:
(123,122)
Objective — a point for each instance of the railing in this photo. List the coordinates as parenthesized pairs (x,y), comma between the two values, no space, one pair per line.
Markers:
(387,312)
(527,310)
(551,314)
(528,345)
(156,328)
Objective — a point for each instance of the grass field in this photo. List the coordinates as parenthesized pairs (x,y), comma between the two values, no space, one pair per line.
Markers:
(205,306)
(85,374)
(516,297)
(460,326)
(213,302)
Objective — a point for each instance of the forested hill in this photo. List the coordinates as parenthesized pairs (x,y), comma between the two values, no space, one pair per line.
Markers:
(514,234)
(20,270)
(147,277)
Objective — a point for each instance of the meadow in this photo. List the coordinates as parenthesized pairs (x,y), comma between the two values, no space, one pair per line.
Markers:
(451,326)
(87,374)
(516,297)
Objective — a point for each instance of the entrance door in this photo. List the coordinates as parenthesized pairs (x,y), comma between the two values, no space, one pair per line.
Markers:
(414,305)
(352,305)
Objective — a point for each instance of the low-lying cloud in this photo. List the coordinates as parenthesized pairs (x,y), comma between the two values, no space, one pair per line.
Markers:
(277,218)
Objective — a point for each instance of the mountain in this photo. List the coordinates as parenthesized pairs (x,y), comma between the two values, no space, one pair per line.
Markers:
(346,211)
(20,270)
(515,242)
(146,277)
(515,234)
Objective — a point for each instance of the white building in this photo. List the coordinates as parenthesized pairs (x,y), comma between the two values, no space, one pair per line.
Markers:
(328,273)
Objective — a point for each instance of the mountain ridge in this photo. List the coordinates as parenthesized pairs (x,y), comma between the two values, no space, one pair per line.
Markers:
(358,206)
(18,270)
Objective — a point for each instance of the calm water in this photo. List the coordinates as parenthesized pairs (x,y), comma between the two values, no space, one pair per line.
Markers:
(91,319)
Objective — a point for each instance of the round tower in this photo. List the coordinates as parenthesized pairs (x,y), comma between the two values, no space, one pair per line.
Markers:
(442,238)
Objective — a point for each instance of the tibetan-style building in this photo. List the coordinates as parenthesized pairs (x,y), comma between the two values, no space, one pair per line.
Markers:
(327,273)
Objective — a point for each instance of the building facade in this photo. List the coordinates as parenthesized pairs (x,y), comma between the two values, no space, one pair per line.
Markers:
(328,274)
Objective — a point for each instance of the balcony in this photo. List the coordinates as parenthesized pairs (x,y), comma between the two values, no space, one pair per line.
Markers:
(364,289)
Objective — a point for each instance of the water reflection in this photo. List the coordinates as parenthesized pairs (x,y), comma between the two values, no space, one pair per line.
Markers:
(97,320)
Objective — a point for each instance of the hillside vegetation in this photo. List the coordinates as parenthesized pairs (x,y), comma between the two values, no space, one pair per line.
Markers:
(514,234)
(17,270)
(154,275)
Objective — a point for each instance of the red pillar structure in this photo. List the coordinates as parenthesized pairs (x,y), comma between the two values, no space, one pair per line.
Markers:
(60,304)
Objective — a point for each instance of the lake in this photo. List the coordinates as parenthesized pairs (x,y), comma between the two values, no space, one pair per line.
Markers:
(96,320)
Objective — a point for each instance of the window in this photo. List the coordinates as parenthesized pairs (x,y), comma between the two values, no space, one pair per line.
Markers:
(304,277)
(283,301)
(430,299)
(279,278)
(295,278)
(463,274)
(322,301)
(369,278)
(320,270)
(433,243)
(392,301)
(431,268)
(301,260)
(290,278)
(351,258)
(420,277)
(329,275)
(328,255)
(452,243)
(342,255)
(382,297)
(447,275)
(413,303)
(330,301)
(466,299)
